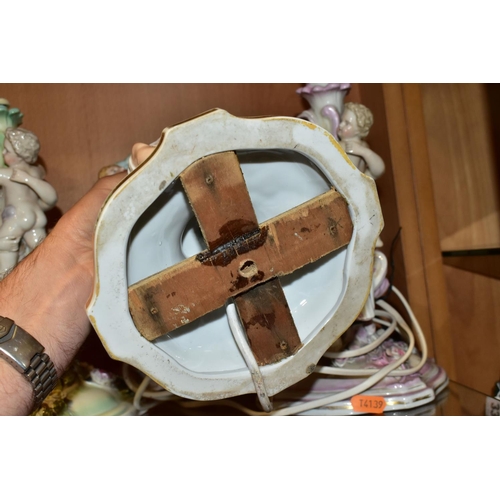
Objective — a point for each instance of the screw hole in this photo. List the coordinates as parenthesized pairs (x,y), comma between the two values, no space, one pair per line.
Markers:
(248,268)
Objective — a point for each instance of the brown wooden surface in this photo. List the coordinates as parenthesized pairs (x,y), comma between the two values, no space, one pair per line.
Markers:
(487,265)
(203,283)
(420,240)
(266,318)
(475,323)
(461,127)
(83,127)
(219,197)
(465,163)
(407,207)
(460,400)
(428,229)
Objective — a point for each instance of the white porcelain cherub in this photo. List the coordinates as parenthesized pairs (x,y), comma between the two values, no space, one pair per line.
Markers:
(354,126)
(25,197)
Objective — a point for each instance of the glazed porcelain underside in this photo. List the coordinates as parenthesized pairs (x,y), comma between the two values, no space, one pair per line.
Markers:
(168,233)
(147,225)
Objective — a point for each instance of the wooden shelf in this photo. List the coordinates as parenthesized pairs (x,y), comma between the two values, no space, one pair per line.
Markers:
(485,262)
(441,146)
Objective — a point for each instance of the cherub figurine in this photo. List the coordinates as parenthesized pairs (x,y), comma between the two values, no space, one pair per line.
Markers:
(355,125)
(25,197)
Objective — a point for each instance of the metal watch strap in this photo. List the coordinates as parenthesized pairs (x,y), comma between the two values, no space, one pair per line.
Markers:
(42,375)
(25,354)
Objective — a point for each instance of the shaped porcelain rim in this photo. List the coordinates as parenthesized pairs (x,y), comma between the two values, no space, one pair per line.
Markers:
(213,132)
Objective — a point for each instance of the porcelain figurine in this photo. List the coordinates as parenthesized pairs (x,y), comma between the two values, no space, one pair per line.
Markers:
(355,125)
(327,104)
(424,384)
(26,196)
(9,118)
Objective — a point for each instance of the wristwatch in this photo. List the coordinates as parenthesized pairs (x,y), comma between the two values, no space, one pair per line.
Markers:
(27,356)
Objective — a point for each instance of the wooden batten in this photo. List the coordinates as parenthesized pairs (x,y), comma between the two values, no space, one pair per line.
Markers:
(241,255)
(268,323)
(218,195)
(184,292)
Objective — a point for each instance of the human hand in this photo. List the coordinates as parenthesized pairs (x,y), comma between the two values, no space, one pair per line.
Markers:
(75,230)
(47,291)
(19,176)
(140,153)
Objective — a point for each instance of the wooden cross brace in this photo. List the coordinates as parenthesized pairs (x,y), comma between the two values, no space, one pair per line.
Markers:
(244,259)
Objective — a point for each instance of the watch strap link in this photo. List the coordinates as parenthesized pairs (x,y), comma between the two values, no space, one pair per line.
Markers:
(26,355)
(42,375)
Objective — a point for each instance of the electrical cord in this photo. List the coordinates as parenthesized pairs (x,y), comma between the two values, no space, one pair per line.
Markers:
(368,348)
(140,391)
(372,376)
(376,375)
(240,338)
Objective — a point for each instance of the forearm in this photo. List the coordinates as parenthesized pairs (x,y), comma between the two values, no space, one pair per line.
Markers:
(376,165)
(373,161)
(48,301)
(46,294)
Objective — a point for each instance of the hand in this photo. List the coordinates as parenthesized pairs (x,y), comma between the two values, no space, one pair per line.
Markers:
(352,147)
(9,244)
(19,176)
(46,293)
(141,152)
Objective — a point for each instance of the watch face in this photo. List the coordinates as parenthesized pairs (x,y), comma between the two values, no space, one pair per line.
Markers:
(5,327)
(17,346)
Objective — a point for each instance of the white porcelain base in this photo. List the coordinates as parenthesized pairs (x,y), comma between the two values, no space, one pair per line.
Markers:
(146,226)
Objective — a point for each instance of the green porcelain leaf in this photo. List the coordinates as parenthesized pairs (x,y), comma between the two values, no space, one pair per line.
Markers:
(9,117)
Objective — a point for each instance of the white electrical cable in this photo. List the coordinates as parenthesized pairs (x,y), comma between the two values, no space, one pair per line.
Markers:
(138,396)
(362,387)
(329,370)
(367,383)
(373,375)
(367,348)
(376,377)
(140,391)
(240,338)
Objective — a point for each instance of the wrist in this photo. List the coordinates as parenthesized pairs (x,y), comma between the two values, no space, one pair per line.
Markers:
(48,300)
(16,393)
(47,292)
